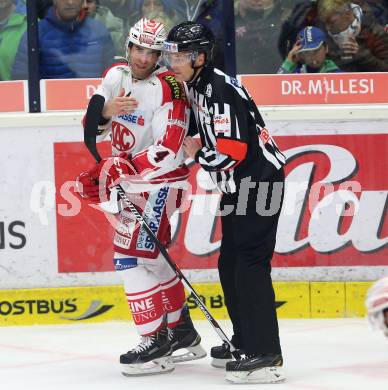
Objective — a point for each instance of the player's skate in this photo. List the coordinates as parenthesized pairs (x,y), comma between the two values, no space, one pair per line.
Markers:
(185,340)
(221,355)
(260,368)
(151,356)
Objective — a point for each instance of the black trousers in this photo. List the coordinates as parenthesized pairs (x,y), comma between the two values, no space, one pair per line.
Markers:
(247,246)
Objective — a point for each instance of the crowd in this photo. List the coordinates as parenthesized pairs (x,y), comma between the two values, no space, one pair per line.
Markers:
(80,38)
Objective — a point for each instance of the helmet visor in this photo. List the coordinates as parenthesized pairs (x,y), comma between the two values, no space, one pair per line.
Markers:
(179,58)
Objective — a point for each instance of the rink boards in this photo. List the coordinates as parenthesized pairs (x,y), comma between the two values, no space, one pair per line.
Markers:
(107,303)
(48,238)
(56,262)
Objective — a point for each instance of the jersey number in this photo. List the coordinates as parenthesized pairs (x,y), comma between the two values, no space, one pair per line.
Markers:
(160,156)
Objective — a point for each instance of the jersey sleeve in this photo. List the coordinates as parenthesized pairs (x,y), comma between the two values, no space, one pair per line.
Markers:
(169,128)
(229,116)
(110,84)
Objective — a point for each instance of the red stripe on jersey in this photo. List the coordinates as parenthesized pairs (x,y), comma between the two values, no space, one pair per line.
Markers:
(175,132)
(143,292)
(233,148)
(172,140)
(166,283)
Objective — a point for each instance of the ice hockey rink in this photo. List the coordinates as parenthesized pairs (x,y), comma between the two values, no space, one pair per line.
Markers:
(330,354)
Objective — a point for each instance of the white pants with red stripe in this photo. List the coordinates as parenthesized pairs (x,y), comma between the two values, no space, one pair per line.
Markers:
(153,291)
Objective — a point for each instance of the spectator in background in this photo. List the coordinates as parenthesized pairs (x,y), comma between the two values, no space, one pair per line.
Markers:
(258,24)
(114,25)
(303,14)
(71,44)
(309,54)
(379,9)
(20,6)
(42,7)
(157,10)
(190,9)
(12,27)
(207,12)
(120,8)
(171,12)
(358,43)
(210,14)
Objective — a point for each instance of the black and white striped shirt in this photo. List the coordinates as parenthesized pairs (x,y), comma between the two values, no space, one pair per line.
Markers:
(235,142)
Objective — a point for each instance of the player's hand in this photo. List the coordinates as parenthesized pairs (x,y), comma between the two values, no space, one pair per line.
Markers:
(95,184)
(293,53)
(87,186)
(191,146)
(118,168)
(120,105)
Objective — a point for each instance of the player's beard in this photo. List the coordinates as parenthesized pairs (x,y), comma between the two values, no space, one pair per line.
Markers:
(141,73)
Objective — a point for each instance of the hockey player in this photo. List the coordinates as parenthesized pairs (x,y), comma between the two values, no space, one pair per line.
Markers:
(144,109)
(242,159)
(377,305)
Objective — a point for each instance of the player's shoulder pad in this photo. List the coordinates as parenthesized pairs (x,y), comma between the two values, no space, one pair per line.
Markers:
(117,68)
(172,88)
(227,86)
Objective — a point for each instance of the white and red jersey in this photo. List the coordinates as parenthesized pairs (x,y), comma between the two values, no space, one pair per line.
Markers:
(153,134)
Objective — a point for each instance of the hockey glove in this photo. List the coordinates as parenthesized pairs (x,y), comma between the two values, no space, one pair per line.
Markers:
(95,184)
(117,169)
(87,186)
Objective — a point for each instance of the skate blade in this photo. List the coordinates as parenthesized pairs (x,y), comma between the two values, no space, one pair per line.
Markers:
(193,353)
(219,363)
(162,365)
(263,375)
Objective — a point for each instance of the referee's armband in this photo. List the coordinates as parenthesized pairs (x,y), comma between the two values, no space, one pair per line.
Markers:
(237,150)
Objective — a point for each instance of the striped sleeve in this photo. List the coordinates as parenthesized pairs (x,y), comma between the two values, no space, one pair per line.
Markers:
(228,131)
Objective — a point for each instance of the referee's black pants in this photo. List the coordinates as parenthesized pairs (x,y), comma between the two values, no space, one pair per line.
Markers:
(247,246)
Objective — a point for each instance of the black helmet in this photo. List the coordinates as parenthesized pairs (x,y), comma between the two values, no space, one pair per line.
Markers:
(190,36)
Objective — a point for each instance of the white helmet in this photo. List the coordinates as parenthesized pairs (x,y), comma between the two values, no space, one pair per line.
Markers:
(147,33)
(376,303)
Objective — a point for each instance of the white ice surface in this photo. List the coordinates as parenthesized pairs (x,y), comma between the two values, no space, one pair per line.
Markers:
(338,354)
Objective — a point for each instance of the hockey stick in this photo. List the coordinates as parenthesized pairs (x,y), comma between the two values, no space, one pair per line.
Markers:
(90,142)
(178,272)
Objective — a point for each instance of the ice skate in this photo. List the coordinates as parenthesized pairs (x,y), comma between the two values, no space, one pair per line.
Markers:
(185,340)
(151,356)
(260,368)
(221,355)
